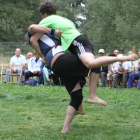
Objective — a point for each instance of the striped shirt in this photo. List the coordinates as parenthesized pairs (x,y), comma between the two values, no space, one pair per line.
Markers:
(46,42)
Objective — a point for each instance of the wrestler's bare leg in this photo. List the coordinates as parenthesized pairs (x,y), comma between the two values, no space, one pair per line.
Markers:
(68,119)
(90,62)
(71,112)
(93,98)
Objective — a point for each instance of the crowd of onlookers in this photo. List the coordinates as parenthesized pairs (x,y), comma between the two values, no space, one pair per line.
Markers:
(124,74)
(32,67)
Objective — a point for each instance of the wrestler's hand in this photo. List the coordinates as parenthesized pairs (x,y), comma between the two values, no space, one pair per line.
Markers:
(58,33)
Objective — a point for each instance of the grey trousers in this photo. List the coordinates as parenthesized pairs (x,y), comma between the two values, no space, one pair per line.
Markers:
(124,82)
(103,79)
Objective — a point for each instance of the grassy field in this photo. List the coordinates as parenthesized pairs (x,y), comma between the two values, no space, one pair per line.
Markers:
(37,113)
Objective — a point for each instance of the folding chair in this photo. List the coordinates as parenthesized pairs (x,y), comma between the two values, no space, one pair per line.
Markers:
(12,74)
(3,68)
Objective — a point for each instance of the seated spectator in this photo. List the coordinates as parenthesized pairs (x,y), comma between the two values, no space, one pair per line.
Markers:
(34,68)
(132,63)
(46,73)
(104,70)
(17,59)
(122,71)
(57,80)
(139,60)
(111,71)
(29,55)
(117,53)
(131,79)
(135,73)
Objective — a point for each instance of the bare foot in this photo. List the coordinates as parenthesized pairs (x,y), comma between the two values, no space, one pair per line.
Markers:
(97,100)
(132,57)
(82,112)
(65,131)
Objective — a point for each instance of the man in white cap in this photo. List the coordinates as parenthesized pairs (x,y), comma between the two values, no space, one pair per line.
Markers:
(101,52)
(104,70)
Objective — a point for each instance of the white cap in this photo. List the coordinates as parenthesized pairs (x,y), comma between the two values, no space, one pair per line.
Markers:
(119,55)
(101,51)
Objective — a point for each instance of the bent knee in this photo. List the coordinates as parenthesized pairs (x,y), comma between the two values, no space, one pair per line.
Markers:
(31,27)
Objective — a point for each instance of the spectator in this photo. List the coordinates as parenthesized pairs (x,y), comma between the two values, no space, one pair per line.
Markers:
(111,71)
(29,55)
(117,53)
(17,59)
(34,68)
(57,80)
(139,60)
(122,71)
(132,63)
(101,52)
(104,70)
(46,73)
(131,79)
(135,73)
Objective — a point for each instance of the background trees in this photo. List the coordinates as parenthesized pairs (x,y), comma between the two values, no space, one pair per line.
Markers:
(113,22)
(103,22)
(15,18)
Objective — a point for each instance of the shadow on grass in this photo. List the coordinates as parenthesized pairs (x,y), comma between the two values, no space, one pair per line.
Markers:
(3,96)
(29,97)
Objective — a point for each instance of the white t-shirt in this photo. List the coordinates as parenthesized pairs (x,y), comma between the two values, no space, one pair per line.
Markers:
(125,65)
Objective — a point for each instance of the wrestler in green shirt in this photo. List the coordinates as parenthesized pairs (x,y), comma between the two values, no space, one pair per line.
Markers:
(69,30)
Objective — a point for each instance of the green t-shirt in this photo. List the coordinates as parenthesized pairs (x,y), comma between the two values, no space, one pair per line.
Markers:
(63,24)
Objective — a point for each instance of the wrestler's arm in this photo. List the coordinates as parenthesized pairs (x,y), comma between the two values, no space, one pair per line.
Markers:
(37,31)
(34,37)
(35,28)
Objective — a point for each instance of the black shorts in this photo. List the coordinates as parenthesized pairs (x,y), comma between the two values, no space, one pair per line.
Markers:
(81,45)
(71,70)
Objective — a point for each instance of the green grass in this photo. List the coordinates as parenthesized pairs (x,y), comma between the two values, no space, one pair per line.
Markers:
(37,113)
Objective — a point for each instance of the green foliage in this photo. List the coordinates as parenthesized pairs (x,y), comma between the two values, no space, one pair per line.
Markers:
(15,18)
(103,22)
(112,22)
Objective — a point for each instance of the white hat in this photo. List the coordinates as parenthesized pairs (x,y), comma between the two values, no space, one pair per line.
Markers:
(101,51)
(119,55)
